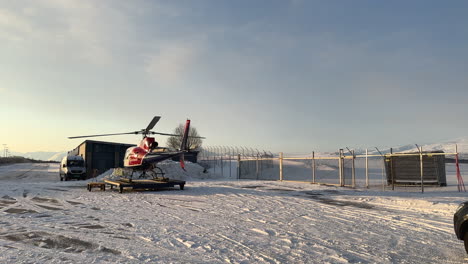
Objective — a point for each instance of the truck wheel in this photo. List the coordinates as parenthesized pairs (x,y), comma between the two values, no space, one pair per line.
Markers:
(465,239)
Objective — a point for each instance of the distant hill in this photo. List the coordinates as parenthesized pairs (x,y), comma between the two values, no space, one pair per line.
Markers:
(446,146)
(17,159)
(58,156)
(42,155)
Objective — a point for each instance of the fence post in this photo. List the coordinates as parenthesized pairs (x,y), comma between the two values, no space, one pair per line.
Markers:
(281,166)
(313,166)
(253,159)
(391,169)
(238,166)
(256,168)
(367,169)
(422,169)
(221,152)
(214,161)
(261,164)
(354,170)
(262,161)
(230,163)
(340,166)
(383,169)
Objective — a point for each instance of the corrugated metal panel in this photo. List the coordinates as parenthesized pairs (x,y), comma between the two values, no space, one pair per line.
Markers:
(101,155)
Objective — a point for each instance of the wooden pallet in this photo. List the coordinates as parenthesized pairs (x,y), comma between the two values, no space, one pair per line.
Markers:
(144,184)
(100,185)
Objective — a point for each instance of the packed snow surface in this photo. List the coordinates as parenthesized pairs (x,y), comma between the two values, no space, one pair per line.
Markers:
(44,220)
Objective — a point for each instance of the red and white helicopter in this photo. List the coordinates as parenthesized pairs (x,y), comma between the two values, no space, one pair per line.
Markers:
(146,155)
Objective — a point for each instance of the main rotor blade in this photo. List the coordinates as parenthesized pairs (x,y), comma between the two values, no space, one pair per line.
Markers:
(166,134)
(152,123)
(197,137)
(103,135)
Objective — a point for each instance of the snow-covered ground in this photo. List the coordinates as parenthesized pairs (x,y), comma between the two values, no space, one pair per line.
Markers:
(44,220)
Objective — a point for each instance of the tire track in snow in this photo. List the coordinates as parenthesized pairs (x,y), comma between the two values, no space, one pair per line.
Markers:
(283,219)
(302,239)
(22,174)
(409,223)
(399,223)
(226,238)
(398,220)
(218,212)
(357,214)
(165,212)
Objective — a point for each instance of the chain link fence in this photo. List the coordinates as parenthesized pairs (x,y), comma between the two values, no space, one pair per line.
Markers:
(343,168)
(224,161)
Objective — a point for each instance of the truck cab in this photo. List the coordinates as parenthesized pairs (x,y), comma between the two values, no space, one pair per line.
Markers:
(72,167)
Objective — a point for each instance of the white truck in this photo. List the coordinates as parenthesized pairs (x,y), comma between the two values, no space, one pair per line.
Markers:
(72,167)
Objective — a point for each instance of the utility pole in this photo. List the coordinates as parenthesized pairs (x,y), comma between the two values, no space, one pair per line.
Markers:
(4,150)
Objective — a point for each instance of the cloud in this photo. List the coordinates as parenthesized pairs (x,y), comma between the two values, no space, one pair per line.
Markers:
(85,29)
(382,86)
(12,95)
(297,2)
(13,27)
(171,62)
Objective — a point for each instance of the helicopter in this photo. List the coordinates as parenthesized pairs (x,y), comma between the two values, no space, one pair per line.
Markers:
(145,157)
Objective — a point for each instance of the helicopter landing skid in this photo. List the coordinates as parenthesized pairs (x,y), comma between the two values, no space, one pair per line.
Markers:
(155,173)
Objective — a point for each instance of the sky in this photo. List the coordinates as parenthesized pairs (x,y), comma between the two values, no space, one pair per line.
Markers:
(291,76)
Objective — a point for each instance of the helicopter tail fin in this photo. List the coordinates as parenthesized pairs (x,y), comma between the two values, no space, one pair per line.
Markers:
(183,145)
(182,161)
